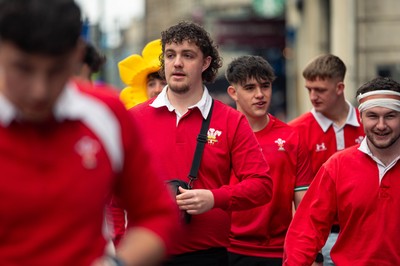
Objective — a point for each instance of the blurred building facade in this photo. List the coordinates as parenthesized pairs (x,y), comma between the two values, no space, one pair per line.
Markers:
(238,27)
(288,33)
(361,32)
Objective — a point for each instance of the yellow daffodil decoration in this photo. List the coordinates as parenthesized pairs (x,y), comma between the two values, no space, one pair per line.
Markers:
(134,70)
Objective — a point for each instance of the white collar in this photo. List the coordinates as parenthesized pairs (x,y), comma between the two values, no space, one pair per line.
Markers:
(325,122)
(8,112)
(381,166)
(203,105)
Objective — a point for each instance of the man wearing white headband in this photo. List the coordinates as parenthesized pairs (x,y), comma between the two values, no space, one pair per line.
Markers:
(359,187)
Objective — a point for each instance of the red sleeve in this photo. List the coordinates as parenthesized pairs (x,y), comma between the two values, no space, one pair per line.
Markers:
(138,184)
(304,174)
(312,221)
(143,194)
(117,219)
(255,184)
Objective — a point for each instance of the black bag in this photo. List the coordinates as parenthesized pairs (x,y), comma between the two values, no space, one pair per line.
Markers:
(174,184)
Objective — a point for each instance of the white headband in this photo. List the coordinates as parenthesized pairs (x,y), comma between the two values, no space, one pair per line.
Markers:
(379,102)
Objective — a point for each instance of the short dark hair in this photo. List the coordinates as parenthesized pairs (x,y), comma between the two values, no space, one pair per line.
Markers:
(48,27)
(93,58)
(194,33)
(249,66)
(379,83)
(326,66)
(154,75)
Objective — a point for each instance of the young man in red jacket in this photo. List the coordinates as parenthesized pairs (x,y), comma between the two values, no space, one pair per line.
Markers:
(358,188)
(257,235)
(65,148)
(332,124)
(172,122)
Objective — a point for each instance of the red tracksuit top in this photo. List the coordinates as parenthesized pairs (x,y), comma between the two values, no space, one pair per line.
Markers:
(321,145)
(56,178)
(261,231)
(347,189)
(231,145)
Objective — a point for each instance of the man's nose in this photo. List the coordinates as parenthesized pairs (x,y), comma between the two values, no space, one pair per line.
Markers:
(39,87)
(178,61)
(313,95)
(381,125)
(258,93)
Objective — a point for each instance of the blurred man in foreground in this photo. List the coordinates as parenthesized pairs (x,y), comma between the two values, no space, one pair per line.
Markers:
(64,148)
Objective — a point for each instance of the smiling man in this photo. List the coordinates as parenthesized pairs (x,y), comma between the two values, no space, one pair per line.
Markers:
(332,124)
(359,187)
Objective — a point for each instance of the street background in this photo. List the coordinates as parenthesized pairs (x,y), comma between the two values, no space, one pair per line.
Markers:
(288,33)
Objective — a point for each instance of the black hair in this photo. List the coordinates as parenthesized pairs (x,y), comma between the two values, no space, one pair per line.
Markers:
(48,27)
(248,66)
(194,33)
(93,58)
(379,83)
(154,75)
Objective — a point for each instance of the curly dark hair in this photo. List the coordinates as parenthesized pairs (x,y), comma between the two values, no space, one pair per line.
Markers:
(194,33)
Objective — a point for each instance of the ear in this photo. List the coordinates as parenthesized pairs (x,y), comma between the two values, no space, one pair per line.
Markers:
(206,62)
(340,87)
(232,92)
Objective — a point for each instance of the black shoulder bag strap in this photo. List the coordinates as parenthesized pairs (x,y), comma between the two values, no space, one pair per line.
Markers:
(201,141)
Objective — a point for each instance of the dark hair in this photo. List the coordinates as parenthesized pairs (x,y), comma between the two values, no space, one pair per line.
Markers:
(93,58)
(192,32)
(40,26)
(154,75)
(249,66)
(325,67)
(379,83)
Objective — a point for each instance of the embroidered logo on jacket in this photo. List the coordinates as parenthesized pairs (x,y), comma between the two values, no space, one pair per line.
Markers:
(87,148)
(320,147)
(212,135)
(280,143)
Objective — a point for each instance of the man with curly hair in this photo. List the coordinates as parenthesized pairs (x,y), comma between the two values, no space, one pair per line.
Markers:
(189,59)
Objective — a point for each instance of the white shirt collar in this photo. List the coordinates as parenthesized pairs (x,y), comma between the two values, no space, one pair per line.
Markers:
(203,105)
(63,108)
(381,166)
(325,122)
(8,112)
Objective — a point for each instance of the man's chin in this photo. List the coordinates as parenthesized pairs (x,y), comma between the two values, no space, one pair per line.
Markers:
(178,89)
(318,108)
(35,118)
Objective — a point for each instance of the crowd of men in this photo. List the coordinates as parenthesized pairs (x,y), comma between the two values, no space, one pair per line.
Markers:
(84,169)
